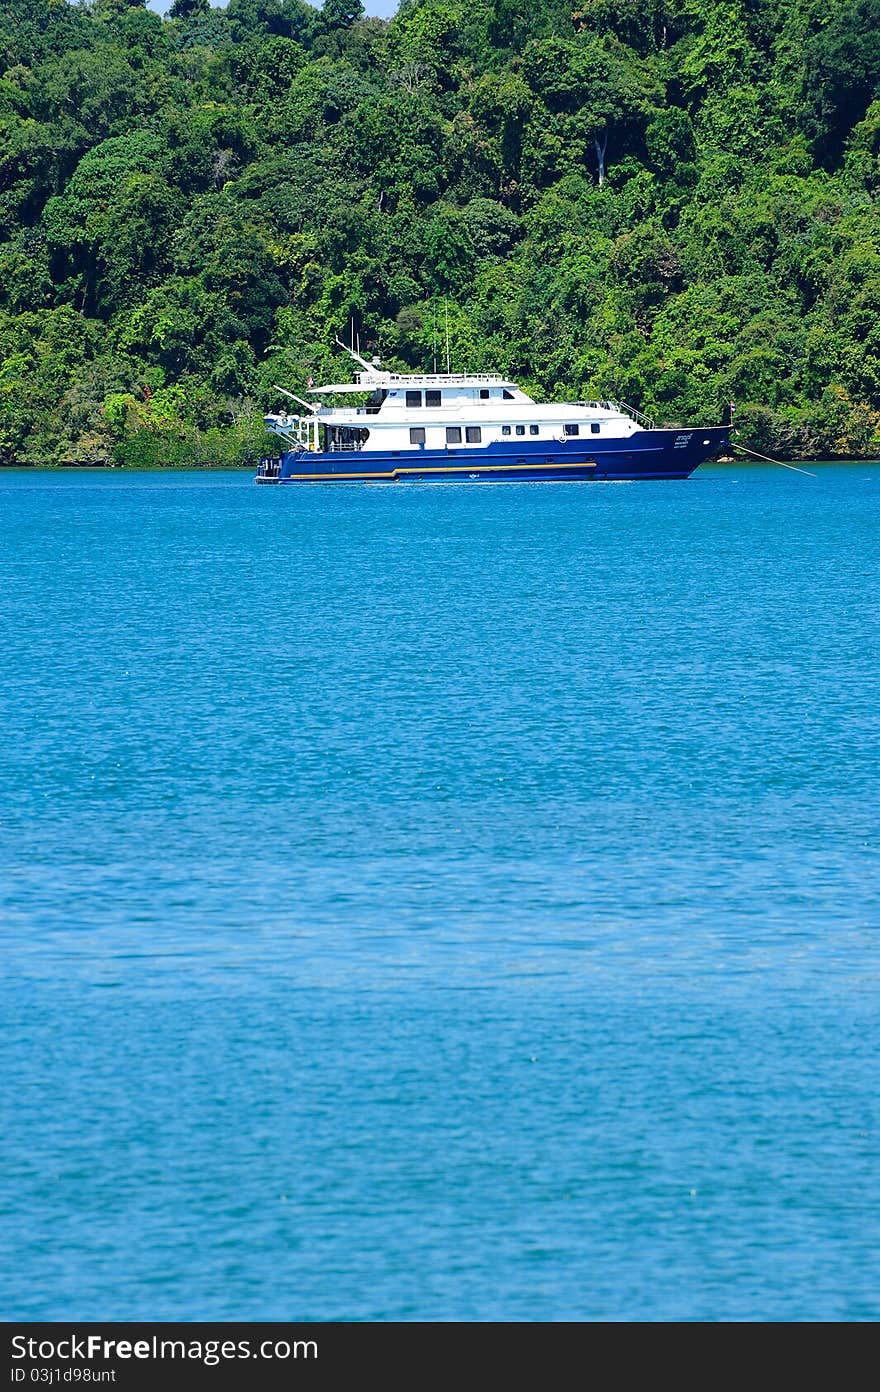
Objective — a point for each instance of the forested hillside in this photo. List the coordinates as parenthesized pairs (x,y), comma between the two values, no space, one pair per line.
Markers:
(669,201)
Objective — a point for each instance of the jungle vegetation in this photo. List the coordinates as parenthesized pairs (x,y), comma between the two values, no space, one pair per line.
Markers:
(673,202)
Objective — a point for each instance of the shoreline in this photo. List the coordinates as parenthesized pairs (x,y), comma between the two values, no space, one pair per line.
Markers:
(251,468)
(132,469)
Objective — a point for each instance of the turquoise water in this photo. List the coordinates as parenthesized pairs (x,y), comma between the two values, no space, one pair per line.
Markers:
(440,902)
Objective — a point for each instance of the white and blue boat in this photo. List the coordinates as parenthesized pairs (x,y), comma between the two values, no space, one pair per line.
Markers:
(470,428)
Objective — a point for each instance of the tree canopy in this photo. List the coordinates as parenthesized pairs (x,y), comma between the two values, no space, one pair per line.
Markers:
(666,201)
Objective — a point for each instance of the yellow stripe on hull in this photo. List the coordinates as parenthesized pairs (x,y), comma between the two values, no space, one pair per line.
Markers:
(436,469)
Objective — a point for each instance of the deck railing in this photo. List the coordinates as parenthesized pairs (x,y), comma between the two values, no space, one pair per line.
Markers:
(430,379)
(647,422)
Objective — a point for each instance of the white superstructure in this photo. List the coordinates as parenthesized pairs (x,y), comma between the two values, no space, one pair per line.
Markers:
(434,411)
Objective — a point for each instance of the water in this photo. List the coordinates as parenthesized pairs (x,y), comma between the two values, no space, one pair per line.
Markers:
(442,902)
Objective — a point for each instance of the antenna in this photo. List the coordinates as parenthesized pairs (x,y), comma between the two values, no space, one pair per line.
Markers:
(446,310)
(434,339)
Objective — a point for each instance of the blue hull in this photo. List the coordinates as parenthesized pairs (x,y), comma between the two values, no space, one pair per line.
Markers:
(650,454)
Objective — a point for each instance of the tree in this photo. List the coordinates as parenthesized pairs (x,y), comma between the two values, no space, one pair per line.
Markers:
(670,198)
(596,85)
(341,14)
(842,73)
(670,141)
(189,9)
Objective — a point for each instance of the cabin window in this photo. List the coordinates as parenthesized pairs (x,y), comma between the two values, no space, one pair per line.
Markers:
(505,430)
(484,394)
(473,434)
(533,429)
(594,428)
(507,395)
(520,430)
(432,398)
(416,435)
(572,430)
(453,434)
(413,398)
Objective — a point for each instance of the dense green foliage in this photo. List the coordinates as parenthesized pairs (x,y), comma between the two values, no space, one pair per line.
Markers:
(669,201)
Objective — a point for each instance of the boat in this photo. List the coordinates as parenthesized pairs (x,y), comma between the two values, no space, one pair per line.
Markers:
(470,427)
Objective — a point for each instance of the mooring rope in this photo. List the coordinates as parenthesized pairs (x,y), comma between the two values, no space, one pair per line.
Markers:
(768,460)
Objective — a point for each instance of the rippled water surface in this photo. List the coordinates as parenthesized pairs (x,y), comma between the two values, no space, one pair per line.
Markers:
(440,902)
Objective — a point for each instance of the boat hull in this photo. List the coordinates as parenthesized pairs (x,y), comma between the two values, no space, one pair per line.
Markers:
(649,454)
